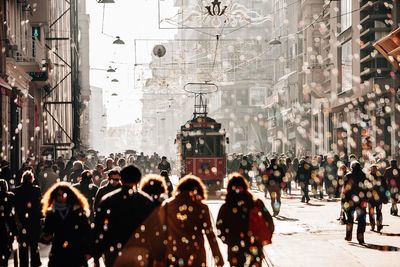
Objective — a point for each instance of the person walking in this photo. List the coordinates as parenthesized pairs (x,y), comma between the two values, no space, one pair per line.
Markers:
(119,214)
(330,176)
(113,183)
(164,165)
(355,201)
(77,169)
(376,197)
(66,226)
(155,187)
(87,188)
(8,227)
(303,178)
(392,177)
(27,207)
(233,224)
(273,181)
(187,219)
(168,182)
(47,177)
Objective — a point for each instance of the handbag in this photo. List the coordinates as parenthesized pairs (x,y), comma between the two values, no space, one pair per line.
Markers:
(259,229)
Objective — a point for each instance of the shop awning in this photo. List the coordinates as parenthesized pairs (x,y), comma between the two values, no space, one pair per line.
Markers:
(5,88)
(389,47)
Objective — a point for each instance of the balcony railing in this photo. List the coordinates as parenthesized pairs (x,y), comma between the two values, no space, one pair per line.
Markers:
(33,52)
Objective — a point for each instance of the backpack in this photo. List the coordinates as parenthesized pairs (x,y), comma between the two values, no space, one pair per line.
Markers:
(259,228)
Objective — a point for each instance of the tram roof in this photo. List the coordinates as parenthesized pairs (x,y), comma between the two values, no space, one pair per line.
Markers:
(201,123)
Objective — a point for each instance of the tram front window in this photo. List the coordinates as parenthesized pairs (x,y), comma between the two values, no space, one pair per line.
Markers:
(207,146)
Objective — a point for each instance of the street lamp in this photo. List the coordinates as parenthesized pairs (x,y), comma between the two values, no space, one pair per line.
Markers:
(275,41)
(105,1)
(114,80)
(111,69)
(118,41)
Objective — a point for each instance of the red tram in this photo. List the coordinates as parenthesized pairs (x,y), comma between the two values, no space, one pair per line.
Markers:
(201,147)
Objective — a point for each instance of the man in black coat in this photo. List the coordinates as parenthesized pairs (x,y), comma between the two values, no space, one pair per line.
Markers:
(87,188)
(303,178)
(355,201)
(113,183)
(28,209)
(274,184)
(119,214)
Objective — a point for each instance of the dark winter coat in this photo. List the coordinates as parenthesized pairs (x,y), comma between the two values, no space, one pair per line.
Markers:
(355,190)
(88,189)
(378,191)
(8,227)
(28,210)
(103,190)
(392,177)
(233,219)
(73,177)
(124,210)
(274,175)
(71,238)
(304,173)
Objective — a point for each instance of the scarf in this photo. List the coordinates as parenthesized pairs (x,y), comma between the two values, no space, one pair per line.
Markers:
(61,209)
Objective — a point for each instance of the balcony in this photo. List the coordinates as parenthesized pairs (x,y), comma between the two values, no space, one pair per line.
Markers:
(32,54)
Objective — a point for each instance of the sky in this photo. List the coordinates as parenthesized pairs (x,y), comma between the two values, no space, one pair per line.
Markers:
(131,20)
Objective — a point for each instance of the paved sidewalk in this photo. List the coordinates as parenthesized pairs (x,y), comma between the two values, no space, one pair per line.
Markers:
(310,235)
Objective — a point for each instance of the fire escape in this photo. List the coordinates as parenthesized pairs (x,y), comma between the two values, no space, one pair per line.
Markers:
(61,100)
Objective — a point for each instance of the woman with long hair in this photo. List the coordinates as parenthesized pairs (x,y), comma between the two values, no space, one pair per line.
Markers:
(233,223)
(186,219)
(66,226)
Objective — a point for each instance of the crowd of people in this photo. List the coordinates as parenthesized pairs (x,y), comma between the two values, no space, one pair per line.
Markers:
(363,186)
(107,212)
(103,209)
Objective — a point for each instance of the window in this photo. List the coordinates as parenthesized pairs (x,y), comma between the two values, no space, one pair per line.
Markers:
(346,66)
(242,97)
(345,14)
(257,96)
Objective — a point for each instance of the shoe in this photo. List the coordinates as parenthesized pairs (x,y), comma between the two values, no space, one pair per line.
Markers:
(347,238)
(303,201)
(307,201)
(379,228)
(372,227)
(361,241)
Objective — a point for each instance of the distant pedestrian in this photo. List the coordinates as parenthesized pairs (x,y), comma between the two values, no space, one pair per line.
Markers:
(87,188)
(392,177)
(274,184)
(113,183)
(98,174)
(233,223)
(77,170)
(8,227)
(66,226)
(376,197)
(47,177)
(155,187)
(330,169)
(303,178)
(119,214)
(168,182)
(28,210)
(355,201)
(164,165)
(187,220)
